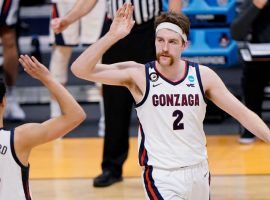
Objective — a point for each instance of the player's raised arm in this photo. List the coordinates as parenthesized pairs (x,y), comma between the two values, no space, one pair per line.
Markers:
(86,67)
(217,92)
(33,134)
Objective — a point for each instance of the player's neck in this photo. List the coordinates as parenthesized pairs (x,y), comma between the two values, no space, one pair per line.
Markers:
(1,120)
(174,72)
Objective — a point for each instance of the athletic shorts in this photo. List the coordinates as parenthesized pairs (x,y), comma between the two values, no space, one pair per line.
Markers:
(84,31)
(9,12)
(187,183)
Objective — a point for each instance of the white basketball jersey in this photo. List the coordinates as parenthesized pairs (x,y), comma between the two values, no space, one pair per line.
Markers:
(9,12)
(171,118)
(64,1)
(13,175)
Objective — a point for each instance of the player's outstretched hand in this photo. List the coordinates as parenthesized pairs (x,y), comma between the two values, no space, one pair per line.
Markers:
(34,68)
(123,21)
(58,25)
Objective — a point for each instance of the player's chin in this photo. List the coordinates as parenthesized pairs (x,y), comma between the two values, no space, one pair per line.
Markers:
(165,61)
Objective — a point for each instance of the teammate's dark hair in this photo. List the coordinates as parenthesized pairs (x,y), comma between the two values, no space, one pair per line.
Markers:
(2,89)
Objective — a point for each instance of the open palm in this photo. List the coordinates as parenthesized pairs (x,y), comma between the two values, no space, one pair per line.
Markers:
(34,68)
(123,21)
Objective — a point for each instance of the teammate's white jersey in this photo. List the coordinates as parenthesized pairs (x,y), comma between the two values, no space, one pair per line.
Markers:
(13,175)
(9,12)
(64,1)
(171,118)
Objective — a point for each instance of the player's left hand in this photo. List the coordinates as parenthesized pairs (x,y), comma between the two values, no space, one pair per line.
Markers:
(122,22)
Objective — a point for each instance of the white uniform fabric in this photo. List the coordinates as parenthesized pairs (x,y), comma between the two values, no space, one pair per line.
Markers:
(64,1)
(188,183)
(13,175)
(84,31)
(171,134)
(9,12)
(171,118)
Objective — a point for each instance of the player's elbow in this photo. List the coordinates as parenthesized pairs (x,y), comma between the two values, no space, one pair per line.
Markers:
(77,116)
(80,116)
(79,71)
(76,70)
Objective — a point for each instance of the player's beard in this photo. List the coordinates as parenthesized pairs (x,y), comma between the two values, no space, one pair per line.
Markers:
(167,55)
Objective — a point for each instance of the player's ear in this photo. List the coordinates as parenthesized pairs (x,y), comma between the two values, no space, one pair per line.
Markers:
(185,45)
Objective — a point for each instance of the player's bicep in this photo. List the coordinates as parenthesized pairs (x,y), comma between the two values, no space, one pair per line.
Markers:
(29,135)
(217,92)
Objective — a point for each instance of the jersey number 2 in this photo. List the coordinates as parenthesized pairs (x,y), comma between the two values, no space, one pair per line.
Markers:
(177,125)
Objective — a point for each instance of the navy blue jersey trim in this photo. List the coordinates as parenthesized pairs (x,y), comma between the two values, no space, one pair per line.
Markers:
(153,184)
(146,185)
(196,65)
(150,186)
(25,181)
(169,81)
(24,169)
(14,152)
(147,65)
(143,156)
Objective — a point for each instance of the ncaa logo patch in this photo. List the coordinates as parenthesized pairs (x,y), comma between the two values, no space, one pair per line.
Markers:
(191,78)
(153,77)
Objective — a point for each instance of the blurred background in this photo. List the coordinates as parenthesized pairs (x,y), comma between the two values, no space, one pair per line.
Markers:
(211,44)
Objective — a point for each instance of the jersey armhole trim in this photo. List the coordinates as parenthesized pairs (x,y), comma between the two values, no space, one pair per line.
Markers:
(147,86)
(12,147)
(200,81)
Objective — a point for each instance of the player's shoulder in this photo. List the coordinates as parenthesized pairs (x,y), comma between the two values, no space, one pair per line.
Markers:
(24,131)
(206,71)
(208,76)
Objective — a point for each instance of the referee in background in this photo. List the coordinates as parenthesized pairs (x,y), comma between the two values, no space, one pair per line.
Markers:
(138,46)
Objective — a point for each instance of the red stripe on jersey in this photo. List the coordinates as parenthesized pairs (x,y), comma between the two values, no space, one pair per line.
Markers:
(6,6)
(143,156)
(54,11)
(149,184)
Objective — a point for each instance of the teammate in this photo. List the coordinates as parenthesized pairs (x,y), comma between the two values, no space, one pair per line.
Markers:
(16,144)
(84,31)
(170,96)
(8,21)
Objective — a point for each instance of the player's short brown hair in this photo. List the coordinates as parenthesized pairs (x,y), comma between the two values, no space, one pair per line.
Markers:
(177,18)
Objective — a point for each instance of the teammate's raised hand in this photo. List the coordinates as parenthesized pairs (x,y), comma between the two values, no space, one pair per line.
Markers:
(34,68)
(58,25)
(122,22)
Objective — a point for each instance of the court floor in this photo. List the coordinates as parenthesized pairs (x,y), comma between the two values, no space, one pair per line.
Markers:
(64,170)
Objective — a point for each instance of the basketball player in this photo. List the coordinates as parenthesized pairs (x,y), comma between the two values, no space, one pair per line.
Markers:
(16,144)
(8,21)
(170,96)
(84,31)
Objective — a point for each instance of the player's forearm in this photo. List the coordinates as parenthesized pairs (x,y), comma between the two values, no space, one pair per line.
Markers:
(68,105)
(255,125)
(87,61)
(81,8)
(175,5)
